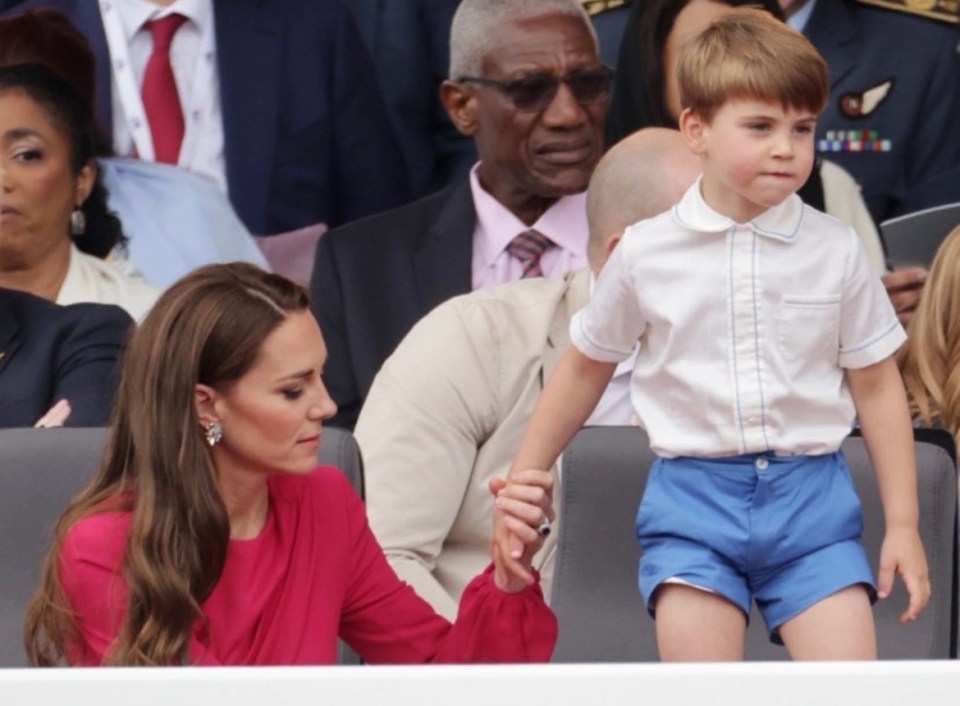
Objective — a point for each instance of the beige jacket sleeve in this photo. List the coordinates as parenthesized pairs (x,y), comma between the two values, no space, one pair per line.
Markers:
(444,415)
(844,201)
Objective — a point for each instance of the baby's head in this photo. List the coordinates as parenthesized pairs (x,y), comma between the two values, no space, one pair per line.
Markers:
(750,55)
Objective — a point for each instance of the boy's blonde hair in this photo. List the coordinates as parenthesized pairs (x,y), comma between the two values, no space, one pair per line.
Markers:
(751,55)
(930,361)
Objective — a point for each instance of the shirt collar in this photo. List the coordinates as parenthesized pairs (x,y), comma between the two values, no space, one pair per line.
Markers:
(798,20)
(134,14)
(564,222)
(780,222)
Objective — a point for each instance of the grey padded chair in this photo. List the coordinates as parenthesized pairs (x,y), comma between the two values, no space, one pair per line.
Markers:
(913,239)
(40,471)
(601,615)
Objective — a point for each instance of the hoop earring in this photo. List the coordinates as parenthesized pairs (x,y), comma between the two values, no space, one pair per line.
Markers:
(78,221)
(213,433)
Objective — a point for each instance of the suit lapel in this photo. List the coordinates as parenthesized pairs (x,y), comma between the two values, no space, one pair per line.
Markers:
(249,58)
(574,299)
(443,263)
(86,16)
(9,333)
(833,31)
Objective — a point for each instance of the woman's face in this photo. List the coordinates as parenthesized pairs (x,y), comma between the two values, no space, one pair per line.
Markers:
(40,189)
(692,20)
(273,415)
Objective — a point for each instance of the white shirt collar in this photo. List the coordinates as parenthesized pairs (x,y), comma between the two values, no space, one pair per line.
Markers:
(134,14)
(781,222)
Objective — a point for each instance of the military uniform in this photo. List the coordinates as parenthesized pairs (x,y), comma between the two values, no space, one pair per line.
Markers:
(609,18)
(893,118)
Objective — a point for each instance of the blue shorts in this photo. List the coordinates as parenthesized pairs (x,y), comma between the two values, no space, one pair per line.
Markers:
(784,531)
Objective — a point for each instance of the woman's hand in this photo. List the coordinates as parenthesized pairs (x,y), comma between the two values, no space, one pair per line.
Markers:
(522,506)
(55,416)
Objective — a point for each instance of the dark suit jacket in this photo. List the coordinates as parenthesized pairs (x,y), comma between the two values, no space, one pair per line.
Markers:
(305,132)
(374,279)
(865,47)
(410,45)
(50,352)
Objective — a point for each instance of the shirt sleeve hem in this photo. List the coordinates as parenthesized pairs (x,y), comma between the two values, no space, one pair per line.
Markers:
(586,345)
(875,349)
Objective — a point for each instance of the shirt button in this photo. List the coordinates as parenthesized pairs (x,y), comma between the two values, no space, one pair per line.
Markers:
(761,463)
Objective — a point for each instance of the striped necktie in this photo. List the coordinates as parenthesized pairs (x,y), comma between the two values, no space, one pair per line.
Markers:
(528,247)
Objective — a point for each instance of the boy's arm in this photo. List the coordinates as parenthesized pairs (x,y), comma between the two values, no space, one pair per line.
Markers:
(571,394)
(884,416)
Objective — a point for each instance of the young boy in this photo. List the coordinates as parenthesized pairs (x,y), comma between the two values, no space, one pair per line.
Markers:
(763,333)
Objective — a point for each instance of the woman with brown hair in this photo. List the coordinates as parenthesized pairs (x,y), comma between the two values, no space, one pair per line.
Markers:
(930,360)
(208,535)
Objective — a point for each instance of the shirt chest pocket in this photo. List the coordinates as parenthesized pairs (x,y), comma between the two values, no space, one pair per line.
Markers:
(808,330)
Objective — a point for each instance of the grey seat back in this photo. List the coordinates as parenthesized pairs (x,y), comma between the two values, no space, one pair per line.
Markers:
(913,239)
(40,471)
(602,617)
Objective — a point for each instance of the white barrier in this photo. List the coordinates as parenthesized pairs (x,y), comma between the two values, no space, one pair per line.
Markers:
(756,684)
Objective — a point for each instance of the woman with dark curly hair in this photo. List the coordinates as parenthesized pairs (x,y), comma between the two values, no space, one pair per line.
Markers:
(57,230)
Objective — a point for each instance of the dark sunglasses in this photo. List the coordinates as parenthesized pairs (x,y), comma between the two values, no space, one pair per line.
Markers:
(535,92)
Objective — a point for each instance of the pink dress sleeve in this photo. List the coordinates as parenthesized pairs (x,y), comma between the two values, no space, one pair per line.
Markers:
(90,573)
(386,622)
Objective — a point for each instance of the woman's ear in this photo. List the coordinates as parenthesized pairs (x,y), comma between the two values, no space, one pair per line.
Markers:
(205,399)
(460,103)
(692,127)
(86,179)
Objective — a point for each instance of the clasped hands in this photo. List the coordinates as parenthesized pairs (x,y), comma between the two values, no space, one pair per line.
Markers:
(56,416)
(522,503)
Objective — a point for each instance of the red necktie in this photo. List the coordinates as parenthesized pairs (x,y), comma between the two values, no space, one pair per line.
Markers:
(527,248)
(160,98)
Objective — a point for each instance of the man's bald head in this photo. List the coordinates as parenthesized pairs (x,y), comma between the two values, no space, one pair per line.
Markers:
(640,177)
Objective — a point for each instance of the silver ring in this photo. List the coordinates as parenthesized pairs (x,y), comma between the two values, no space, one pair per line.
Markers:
(544,529)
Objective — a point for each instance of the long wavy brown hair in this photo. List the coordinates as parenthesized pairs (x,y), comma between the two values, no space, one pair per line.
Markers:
(207,328)
(930,360)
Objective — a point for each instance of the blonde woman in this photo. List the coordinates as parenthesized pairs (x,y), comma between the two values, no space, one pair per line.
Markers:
(930,360)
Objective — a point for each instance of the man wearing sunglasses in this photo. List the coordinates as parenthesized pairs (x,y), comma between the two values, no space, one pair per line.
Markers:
(527,85)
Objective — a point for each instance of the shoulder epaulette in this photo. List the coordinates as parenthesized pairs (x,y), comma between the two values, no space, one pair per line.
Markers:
(595,7)
(941,10)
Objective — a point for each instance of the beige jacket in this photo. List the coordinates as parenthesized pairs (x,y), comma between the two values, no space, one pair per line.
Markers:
(445,414)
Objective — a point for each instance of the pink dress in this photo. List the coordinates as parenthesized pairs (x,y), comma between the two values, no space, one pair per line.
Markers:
(314,572)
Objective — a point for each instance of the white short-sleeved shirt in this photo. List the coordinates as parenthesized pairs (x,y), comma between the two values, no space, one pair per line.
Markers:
(743,329)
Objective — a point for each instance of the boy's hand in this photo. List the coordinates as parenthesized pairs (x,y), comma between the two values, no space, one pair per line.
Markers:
(902,553)
(521,504)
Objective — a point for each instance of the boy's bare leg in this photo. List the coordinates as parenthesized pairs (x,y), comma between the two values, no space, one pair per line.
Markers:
(838,627)
(696,626)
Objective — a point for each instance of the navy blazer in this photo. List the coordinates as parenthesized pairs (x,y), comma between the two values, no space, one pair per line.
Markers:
(374,279)
(306,137)
(410,45)
(50,352)
(866,47)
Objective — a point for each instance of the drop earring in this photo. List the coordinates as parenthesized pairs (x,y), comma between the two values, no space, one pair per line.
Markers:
(78,221)
(213,433)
